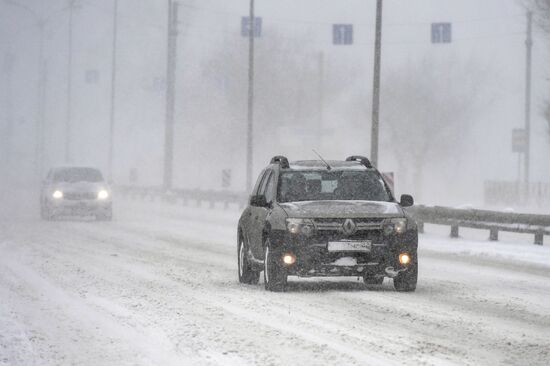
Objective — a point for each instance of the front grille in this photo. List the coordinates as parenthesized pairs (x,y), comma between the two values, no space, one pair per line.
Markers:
(75,196)
(336,225)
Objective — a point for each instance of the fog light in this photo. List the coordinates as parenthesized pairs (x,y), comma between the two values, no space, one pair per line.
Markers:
(289,259)
(57,195)
(404,258)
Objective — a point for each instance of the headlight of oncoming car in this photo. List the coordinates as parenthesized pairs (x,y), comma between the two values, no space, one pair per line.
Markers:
(102,195)
(397,226)
(300,226)
(57,194)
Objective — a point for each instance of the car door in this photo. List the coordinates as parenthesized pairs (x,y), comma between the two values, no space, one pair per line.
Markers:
(246,217)
(258,218)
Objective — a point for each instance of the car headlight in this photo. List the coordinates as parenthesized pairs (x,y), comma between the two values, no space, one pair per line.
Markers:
(102,195)
(397,226)
(57,195)
(300,226)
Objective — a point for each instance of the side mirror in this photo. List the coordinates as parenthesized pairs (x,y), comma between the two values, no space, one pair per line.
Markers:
(407,200)
(259,201)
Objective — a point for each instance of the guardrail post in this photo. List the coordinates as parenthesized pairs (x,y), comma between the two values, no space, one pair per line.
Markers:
(454,231)
(539,237)
(493,234)
(420,226)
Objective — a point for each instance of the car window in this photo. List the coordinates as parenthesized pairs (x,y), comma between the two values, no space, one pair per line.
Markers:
(265,181)
(270,188)
(258,182)
(332,185)
(72,175)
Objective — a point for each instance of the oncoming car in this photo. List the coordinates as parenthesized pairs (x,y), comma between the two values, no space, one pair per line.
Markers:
(318,218)
(75,191)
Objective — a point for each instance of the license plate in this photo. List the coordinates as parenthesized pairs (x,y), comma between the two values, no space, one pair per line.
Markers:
(349,246)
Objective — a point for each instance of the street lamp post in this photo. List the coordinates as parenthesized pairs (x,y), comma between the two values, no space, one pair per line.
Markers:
(376,85)
(68,122)
(250,109)
(113,89)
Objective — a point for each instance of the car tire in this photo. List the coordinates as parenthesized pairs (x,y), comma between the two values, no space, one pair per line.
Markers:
(275,277)
(373,280)
(247,274)
(45,212)
(406,281)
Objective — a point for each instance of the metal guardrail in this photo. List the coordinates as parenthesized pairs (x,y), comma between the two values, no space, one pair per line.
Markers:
(494,221)
(185,196)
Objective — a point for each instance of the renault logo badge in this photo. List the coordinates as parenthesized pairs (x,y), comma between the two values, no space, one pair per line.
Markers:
(349,227)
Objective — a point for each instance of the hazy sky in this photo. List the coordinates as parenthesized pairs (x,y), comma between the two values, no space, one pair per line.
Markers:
(488,44)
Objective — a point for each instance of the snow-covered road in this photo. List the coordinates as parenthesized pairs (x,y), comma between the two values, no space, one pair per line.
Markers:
(158,286)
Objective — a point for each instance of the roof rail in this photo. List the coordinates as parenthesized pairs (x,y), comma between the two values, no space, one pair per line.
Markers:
(281,160)
(363,160)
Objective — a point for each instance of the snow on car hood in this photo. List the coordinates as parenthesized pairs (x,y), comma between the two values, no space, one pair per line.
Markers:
(320,209)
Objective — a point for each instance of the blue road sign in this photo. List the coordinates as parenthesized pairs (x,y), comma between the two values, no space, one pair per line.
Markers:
(245,26)
(342,33)
(441,33)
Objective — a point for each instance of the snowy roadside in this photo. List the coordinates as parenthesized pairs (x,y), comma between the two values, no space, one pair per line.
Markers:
(516,249)
(158,286)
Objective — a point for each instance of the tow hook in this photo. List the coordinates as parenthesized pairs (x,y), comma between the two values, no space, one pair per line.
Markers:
(391,272)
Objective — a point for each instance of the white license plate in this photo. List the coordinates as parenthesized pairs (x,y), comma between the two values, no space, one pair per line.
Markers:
(349,246)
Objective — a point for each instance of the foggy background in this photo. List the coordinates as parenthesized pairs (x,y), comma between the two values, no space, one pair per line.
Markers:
(447,110)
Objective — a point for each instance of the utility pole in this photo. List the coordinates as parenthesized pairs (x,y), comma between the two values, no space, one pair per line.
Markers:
(7,133)
(113,89)
(68,152)
(529,48)
(250,114)
(40,132)
(376,85)
(170,93)
(321,101)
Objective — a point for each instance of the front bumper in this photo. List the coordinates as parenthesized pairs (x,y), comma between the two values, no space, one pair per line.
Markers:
(80,207)
(314,260)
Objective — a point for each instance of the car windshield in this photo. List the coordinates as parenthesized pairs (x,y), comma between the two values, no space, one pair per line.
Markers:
(72,175)
(331,185)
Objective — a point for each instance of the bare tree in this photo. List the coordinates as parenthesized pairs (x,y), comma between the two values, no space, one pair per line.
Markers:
(541,9)
(428,114)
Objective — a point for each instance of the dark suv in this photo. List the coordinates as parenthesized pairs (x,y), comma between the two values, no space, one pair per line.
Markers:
(319,218)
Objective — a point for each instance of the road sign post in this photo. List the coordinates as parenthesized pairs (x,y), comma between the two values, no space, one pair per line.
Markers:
(226,178)
(441,33)
(342,34)
(519,140)
(245,26)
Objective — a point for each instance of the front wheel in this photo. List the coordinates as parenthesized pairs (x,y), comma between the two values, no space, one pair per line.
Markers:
(275,277)
(406,281)
(45,212)
(246,273)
